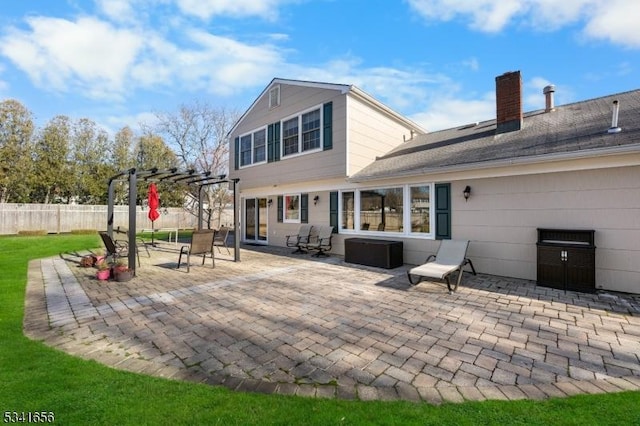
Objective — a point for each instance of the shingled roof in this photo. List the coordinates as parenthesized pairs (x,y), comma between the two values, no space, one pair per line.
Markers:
(569,131)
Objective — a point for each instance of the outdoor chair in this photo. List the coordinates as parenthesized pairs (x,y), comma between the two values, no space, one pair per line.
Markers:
(321,243)
(201,244)
(220,238)
(116,248)
(139,240)
(451,257)
(300,239)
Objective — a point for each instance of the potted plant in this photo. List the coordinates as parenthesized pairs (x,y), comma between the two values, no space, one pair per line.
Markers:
(121,272)
(104,270)
(98,256)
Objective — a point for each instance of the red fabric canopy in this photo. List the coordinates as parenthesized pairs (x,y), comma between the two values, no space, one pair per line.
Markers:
(154,202)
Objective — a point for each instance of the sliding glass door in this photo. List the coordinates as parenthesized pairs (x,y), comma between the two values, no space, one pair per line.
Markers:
(255,220)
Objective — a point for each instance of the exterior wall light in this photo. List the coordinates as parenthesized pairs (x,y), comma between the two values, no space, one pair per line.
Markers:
(270,202)
(466,193)
(316,199)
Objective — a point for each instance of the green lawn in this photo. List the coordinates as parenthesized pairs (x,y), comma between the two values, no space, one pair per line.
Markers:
(34,377)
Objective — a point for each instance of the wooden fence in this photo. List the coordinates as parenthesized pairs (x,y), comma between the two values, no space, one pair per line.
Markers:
(59,218)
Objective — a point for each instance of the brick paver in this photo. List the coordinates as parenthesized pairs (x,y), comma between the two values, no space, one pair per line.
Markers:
(296,325)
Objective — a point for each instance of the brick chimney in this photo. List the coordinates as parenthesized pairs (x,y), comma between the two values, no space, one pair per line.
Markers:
(508,102)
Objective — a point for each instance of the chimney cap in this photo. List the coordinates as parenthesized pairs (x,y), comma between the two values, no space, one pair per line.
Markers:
(549,89)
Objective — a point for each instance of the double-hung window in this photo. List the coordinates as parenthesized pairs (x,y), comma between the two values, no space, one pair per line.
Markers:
(311,130)
(292,208)
(245,150)
(253,148)
(259,146)
(405,209)
(302,133)
(290,136)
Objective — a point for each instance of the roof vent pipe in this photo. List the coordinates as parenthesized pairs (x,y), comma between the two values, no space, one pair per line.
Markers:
(548,92)
(614,119)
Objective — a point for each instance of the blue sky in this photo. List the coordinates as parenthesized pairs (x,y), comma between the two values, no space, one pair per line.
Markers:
(435,61)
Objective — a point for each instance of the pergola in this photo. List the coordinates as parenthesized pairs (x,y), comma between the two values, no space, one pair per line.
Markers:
(188,177)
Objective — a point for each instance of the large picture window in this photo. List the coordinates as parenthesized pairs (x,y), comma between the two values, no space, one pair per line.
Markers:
(381,210)
(405,210)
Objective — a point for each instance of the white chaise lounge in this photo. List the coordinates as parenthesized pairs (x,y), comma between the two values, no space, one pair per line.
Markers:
(451,257)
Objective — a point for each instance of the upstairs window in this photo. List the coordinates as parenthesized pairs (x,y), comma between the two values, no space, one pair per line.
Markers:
(302,133)
(245,150)
(253,148)
(290,136)
(311,130)
(259,146)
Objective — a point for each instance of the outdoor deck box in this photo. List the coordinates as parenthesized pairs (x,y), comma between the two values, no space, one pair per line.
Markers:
(567,259)
(373,252)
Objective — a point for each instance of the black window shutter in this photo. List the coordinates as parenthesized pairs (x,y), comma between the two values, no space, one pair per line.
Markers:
(273,142)
(443,211)
(237,153)
(327,115)
(270,139)
(333,210)
(304,208)
(276,141)
(280,208)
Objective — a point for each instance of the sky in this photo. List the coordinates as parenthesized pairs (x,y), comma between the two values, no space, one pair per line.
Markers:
(119,62)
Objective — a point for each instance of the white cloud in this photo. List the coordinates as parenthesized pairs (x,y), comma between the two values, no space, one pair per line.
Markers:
(450,112)
(611,20)
(205,9)
(617,22)
(99,60)
(87,55)
(117,10)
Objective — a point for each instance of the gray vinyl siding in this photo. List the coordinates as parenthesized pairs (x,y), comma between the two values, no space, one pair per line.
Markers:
(372,133)
(304,167)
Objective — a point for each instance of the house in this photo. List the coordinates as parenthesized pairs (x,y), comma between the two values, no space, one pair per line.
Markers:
(496,182)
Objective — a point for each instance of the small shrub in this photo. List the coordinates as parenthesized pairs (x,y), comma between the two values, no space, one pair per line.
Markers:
(33,233)
(83,231)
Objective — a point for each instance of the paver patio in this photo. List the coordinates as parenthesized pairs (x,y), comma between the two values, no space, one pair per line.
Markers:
(292,324)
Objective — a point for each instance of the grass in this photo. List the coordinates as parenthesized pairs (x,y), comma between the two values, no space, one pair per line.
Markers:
(34,377)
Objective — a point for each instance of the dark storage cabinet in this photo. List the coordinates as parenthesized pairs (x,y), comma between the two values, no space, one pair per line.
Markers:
(372,252)
(567,259)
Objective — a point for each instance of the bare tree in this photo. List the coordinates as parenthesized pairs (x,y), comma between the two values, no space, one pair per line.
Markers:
(198,134)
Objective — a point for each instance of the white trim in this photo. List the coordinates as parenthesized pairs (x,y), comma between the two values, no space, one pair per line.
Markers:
(284,208)
(253,162)
(299,115)
(344,89)
(406,212)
